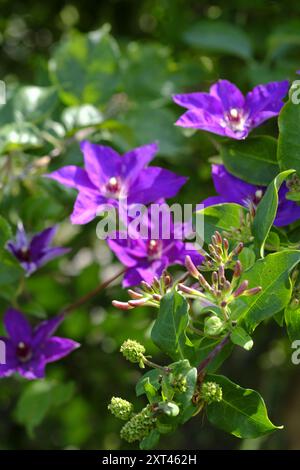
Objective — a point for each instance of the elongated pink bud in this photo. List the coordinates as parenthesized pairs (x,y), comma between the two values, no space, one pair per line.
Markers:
(253,291)
(156,297)
(138,302)
(187,290)
(241,289)
(134,295)
(204,282)
(146,287)
(121,305)
(237,269)
(218,237)
(191,267)
(237,250)
(226,244)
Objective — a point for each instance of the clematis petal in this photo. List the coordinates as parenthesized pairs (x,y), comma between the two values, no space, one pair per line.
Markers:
(17,326)
(41,240)
(73,177)
(46,329)
(50,254)
(8,358)
(56,348)
(231,188)
(199,101)
(137,159)
(86,207)
(228,94)
(32,370)
(101,162)
(144,272)
(288,211)
(154,183)
(265,101)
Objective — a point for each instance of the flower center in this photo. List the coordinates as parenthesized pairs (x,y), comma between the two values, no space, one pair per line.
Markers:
(257,196)
(154,248)
(24,254)
(113,187)
(24,352)
(235,119)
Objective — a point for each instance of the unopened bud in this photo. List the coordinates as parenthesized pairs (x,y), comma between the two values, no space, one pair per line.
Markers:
(121,305)
(191,267)
(138,302)
(210,392)
(133,352)
(253,291)
(238,249)
(237,269)
(134,295)
(213,326)
(241,289)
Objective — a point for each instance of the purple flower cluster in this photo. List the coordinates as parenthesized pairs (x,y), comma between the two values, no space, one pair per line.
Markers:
(225,111)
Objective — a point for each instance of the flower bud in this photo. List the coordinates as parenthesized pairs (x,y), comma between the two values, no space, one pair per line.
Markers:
(210,392)
(191,267)
(133,352)
(169,408)
(213,326)
(241,289)
(179,384)
(139,426)
(253,291)
(121,409)
(121,305)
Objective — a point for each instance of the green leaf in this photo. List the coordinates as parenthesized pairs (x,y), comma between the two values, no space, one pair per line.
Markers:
(37,400)
(221,37)
(288,152)
(266,212)
(151,377)
(242,411)
(247,258)
(292,320)
(272,274)
(240,337)
(146,75)
(34,103)
(85,67)
(77,117)
(147,124)
(169,330)
(219,217)
(150,441)
(5,232)
(253,160)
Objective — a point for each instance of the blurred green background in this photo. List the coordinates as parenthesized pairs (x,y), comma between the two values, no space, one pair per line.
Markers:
(162,47)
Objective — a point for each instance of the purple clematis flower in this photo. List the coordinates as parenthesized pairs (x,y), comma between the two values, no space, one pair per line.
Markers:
(29,350)
(232,189)
(109,178)
(35,252)
(147,257)
(225,111)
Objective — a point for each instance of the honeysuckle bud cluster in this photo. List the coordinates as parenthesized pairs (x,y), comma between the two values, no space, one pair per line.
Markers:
(139,426)
(219,253)
(211,392)
(220,291)
(147,294)
(133,352)
(121,409)
(242,233)
(293,185)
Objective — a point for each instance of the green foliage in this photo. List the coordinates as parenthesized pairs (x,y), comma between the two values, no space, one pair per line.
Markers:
(242,411)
